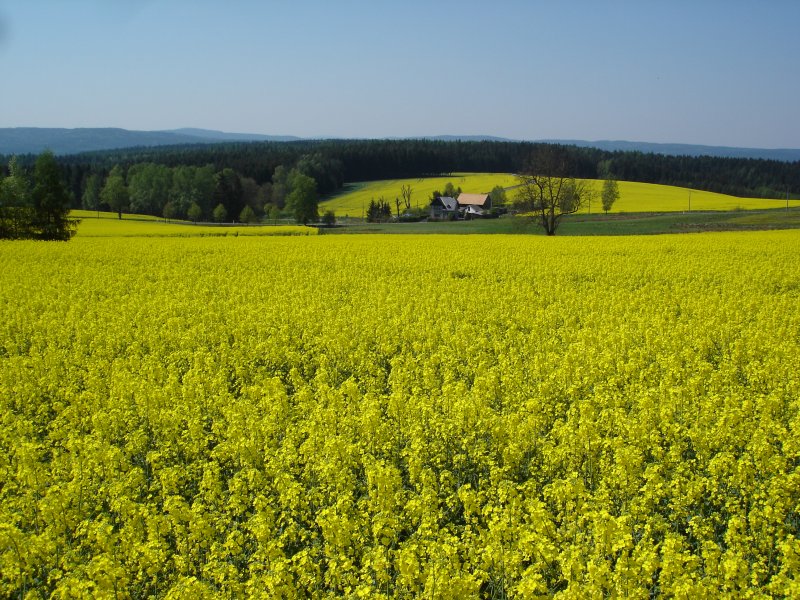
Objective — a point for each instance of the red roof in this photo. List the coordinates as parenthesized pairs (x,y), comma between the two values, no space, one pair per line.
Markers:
(481,200)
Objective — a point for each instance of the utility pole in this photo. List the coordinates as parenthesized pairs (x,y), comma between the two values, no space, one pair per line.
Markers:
(690,199)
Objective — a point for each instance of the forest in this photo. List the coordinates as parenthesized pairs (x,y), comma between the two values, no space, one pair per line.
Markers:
(257,174)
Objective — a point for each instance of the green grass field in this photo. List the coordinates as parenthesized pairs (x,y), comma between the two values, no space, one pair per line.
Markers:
(634,197)
(597,224)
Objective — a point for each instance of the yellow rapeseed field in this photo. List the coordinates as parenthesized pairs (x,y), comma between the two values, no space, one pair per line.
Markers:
(399,417)
(353,202)
(108,225)
(634,196)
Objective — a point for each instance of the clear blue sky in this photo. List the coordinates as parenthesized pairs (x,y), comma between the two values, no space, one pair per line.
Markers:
(703,72)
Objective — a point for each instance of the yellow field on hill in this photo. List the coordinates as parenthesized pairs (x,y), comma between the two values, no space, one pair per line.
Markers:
(354,201)
(144,226)
(634,197)
(650,197)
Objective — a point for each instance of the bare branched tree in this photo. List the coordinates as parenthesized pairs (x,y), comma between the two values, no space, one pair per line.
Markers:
(405,192)
(548,191)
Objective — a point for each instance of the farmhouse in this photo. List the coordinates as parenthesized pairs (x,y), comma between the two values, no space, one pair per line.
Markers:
(467,206)
(444,207)
(474,204)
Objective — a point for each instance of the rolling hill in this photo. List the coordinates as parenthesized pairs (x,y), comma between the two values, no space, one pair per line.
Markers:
(33,140)
(634,197)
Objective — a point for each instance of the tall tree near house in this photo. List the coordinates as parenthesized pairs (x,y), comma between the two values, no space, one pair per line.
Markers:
(115,192)
(498,196)
(548,191)
(451,191)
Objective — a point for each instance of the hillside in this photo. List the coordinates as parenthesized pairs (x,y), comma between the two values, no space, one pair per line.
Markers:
(33,140)
(781,154)
(356,196)
(634,197)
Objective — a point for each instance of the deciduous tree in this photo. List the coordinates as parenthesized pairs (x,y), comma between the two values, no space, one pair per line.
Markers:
(170,210)
(115,192)
(90,200)
(610,194)
(498,195)
(149,187)
(195,213)
(248,215)
(451,191)
(220,214)
(548,191)
(302,201)
(405,193)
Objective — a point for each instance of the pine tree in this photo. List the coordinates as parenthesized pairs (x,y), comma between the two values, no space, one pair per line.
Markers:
(51,202)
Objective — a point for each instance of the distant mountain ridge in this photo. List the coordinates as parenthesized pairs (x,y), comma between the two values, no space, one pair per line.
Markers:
(33,140)
(782,154)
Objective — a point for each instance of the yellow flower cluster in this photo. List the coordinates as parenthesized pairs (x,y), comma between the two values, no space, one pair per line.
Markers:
(401,416)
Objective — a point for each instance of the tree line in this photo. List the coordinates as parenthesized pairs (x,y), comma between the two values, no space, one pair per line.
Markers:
(197,193)
(254,180)
(332,162)
(201,194)
(35,207)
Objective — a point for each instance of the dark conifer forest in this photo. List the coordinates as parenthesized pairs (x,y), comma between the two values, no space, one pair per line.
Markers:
(331,163)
